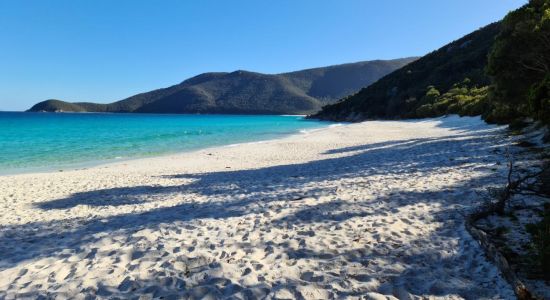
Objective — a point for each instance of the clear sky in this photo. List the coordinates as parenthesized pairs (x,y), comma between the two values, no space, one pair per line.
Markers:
(104,50)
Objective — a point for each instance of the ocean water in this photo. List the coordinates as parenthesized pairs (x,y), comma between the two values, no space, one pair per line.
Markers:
(49,141)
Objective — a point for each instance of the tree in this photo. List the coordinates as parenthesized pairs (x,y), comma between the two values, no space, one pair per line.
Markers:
(520,60)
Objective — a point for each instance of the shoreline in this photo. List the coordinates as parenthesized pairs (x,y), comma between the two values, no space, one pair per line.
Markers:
(105,162)
(370,209)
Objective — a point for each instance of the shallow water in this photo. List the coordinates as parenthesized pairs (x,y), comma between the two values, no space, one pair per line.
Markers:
(33,141)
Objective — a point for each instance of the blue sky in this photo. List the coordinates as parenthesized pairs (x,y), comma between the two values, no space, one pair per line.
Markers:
(105,50)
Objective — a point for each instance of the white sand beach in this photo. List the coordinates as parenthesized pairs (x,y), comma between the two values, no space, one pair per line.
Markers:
(373,210)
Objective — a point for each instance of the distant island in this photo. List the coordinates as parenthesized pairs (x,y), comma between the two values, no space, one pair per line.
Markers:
(244,92)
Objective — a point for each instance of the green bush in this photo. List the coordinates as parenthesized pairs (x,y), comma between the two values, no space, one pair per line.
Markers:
(472,108)
(425,111)
(453,108)
(461,99)
(539,100)
(500,114)
(441,107)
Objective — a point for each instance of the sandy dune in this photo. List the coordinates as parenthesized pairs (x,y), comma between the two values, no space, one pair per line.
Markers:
(371,210)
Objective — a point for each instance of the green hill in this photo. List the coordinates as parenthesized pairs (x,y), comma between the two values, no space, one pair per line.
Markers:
(243,92)
(401,93)
(501,71)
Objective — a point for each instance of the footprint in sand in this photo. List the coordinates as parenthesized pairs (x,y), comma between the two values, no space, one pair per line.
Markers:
(406,221)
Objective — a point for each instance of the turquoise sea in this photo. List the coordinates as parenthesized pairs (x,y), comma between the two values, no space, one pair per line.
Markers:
(51,141)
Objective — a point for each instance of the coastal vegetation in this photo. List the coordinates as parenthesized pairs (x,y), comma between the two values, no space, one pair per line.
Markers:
(519,65)
(402,93)
(463,99)
(244,92)
(501,71)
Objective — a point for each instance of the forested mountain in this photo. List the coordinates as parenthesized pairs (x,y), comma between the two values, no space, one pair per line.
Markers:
(401,93)
(501,71)
(243,92)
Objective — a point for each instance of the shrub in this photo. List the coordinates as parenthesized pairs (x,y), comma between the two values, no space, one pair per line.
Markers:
(518,124)
(474,107)
(425,111)
(539,100)
(500,114)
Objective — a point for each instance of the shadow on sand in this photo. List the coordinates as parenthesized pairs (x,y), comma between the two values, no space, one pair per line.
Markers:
(236,193)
